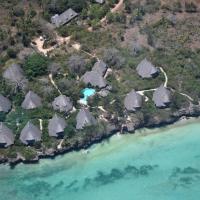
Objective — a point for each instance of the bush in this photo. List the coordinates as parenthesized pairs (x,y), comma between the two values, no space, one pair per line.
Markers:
(76,65)
(190,7)
(29,153)
(12,153)
(113,58)
(11,53)
(119,18)
(18,12)
(35,65)
(177,7)
(97,12)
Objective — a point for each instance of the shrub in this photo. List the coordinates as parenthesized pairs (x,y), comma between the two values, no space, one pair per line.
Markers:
(12,153)
(29,153)
(35,65)
(11,53)
(18,12)
(190,7)
(113,58)
(177,7)
(76,65)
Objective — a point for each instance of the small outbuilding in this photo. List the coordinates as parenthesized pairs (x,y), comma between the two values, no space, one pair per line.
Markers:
(162,97)
(64,18)
(31,101)
(100,67)
(84,118)
(133,101)
(30,134)
(14,74)
(56,126)
(94,78)
(5,104)
(146,69)
(6,136)
(62,103)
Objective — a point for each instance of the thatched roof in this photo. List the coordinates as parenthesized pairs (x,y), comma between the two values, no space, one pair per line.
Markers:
(146,69)
(30,133)
(162,96)
(6,135)
(100,67)
(133,101)
(5,104)
(14,74)
(62,103)
(63,18)
(84,118)
(94,78)
(56,126)
(31,101)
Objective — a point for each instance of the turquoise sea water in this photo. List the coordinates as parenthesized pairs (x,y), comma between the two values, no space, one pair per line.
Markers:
(164,165)
(87,92)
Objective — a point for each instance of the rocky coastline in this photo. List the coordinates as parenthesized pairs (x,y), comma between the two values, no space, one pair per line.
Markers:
(154,122)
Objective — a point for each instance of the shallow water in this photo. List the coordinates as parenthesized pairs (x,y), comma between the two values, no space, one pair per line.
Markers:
(160,166)
(87,92)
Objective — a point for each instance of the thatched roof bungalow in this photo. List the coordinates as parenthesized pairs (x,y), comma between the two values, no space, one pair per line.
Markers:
(94,78)
(6,136)
(56,126)
(30,134)
(5,104)
(100,67)
(133,101)
(31,101)
(146,69)
(62,103)
(84,118)
(162,97)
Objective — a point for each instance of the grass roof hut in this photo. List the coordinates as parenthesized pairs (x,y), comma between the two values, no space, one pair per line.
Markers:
(56,126)
(31,101)
(5,104)
(62,103)
(146,69)
(94,78)
(15,75)
(6,136)
(133,101)
(30,134)
(84,118)
(100,67)
(162,97)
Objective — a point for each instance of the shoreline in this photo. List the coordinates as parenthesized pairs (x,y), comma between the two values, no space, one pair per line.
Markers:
(140,130)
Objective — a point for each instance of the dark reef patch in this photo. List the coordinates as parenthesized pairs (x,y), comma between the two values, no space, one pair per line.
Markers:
(185,177)
(102,178)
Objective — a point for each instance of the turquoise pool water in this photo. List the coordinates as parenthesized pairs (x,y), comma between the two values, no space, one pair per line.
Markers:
(164,165)
(87,92)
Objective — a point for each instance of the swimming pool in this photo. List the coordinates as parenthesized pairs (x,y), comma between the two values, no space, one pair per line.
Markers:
(87,92)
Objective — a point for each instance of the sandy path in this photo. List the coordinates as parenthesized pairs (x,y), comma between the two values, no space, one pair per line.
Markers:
(54,84)
(185,95)
(60,144)
(115,9)
(41,124)
(142,93)
(166,77)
